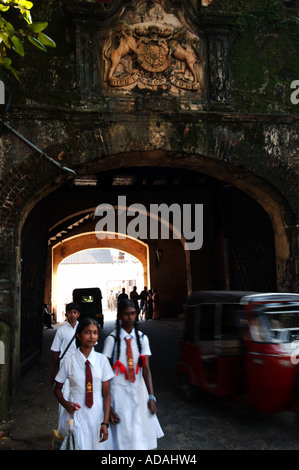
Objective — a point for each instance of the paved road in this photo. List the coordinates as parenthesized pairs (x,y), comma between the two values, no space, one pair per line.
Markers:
(206,424)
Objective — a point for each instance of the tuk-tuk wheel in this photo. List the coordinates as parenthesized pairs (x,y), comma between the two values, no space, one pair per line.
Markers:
(187,391)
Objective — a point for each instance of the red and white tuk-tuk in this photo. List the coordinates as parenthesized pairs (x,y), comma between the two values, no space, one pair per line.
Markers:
(242,344)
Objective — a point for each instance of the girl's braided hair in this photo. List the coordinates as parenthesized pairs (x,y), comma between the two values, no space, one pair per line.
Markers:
(123,304)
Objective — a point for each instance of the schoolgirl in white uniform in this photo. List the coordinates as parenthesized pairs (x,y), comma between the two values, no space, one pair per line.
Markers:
(133,404)
(63,346)
(91,417)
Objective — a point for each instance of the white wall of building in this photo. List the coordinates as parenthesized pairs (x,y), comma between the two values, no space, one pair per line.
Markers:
(104,276)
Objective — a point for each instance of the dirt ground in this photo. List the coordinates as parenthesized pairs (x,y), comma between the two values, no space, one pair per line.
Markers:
(208,423)
(33,412)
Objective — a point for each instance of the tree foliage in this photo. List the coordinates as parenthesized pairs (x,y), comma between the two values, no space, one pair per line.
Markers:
(20,28)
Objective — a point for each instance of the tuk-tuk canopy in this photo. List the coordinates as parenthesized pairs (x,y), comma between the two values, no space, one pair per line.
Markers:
(234,296)
(217,296)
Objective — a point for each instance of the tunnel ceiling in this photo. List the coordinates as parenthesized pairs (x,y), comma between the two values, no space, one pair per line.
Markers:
(148,179)
(143,177)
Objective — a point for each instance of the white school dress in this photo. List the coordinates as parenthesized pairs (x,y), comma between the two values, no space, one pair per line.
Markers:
(87,421)
(138,429)
(63,336)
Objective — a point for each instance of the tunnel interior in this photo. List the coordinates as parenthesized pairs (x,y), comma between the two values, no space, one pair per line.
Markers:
(237,252)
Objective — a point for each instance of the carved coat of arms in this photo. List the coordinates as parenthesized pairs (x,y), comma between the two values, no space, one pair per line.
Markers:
(152,54)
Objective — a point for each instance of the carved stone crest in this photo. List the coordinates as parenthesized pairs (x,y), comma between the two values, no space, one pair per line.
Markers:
(153,54)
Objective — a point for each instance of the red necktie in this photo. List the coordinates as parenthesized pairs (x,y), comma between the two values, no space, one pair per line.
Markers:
(88,382)
(131,372)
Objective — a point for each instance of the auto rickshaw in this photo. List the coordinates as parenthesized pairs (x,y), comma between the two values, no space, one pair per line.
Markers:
(89,300)
(242,345)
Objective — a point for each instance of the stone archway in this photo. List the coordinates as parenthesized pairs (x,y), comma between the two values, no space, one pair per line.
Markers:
(145,250)
(249,184)
(84,241)
(278,209)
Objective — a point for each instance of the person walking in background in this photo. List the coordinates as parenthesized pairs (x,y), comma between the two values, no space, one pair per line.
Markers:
(134,297)
(150,305)
(143,297)
(135,425)
(47,317)
(63,346)
(122,296)
(143,303)
(156,305)
(89,373)
(111,301)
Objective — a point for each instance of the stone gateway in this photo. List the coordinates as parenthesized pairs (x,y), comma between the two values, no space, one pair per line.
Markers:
(166,103)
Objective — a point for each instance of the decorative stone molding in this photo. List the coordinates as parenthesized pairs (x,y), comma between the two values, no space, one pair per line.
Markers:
(156,51)
(178,48)
(152,55)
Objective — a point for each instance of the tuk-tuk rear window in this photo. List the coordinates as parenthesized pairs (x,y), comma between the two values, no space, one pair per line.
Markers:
(231,320)
(207,322)
(200,323)
(87,299)
(189,332)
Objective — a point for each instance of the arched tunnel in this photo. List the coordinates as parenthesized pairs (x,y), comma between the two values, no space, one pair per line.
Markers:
(237,251)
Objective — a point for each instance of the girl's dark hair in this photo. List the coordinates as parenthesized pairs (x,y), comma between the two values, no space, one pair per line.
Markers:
(123,304)
(83,324)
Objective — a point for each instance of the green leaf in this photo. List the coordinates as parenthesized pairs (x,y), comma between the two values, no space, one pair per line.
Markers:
(26,4)
(8,27)
(20,4)
(5,39)
(7,61)
(7,65)
(13,39)
(37,27)
(26,15)
(36,43)
(18,45)
(45,40)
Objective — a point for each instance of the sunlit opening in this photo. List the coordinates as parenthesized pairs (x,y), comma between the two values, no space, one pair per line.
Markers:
(110,270)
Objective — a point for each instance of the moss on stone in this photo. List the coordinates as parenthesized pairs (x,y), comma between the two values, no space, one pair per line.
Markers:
(264,57)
